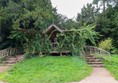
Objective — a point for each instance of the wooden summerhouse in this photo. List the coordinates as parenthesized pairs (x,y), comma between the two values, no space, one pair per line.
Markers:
(52,31)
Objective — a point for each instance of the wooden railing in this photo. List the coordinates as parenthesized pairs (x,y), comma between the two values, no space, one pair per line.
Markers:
(96,51)
(10,51)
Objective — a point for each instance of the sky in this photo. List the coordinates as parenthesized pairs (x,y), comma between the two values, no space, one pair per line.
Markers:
(69,8)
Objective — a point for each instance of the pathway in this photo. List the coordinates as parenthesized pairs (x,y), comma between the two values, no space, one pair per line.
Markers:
(2,82)
(10,61)
(2,69)
(99,75)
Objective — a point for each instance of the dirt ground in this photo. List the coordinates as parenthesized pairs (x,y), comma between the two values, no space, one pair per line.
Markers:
(99,75)
(3,68)
(2,82)
(9,62)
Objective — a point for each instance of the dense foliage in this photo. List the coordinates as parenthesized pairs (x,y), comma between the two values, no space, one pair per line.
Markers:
(88,15)
(22,22)
(104,14)
(23,14)
(74,40)
(107,26)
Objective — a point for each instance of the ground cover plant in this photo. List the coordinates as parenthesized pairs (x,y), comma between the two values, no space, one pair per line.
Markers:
(112,65)
(49,69)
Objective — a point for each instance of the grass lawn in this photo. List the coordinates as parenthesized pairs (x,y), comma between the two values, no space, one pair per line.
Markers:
(49,69)
(112,65)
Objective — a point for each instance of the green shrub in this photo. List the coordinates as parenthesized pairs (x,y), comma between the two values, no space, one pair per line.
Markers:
(114,51)
(106,44)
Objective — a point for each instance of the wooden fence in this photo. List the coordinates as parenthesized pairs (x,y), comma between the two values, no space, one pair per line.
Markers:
(10,51)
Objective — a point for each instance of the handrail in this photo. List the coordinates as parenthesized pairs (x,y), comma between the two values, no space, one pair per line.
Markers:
(96,51)
(10,51)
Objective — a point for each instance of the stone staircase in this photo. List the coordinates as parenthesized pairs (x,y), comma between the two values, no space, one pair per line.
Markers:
(94,61)
(12,60)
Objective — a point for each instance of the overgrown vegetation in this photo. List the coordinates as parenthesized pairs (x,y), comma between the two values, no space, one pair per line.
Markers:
(104,14)
(106,44)
(19,16)
(49,69)
(74,40)
(112,65)
(20,19)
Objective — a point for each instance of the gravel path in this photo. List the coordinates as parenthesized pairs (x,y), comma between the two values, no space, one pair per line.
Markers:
(99,75)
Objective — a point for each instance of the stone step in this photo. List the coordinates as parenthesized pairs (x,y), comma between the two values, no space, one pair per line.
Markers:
(95,62)
(10,62)
(94,59)
(96,65)
(13,59)
(91,58)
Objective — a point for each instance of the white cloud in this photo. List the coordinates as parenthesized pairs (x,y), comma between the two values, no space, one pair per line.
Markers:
(70,8)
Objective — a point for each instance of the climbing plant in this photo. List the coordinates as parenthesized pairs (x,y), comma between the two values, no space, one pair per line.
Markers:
(74,40)
(39,45)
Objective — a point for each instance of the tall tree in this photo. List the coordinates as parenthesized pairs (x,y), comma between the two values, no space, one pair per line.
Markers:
(24,14)
(88,15)
(104,3)
(107,26)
